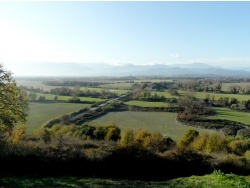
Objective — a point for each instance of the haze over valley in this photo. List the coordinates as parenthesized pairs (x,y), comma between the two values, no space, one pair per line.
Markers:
(102,69)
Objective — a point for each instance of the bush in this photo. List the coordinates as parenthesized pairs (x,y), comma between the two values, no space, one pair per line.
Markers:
(127,137)
(209,143)
(200,143)
(189,136)
(46,137)
(239,147)
(113,133)
(235,164)
(247,155)
(18,133)
(154,142)
(107,132)
(234,106)
(141,136)
(73,100)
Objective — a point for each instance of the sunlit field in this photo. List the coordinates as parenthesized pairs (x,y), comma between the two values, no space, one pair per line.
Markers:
(120,89)
(153,80)
(225,113)
(203,95)
(39,113)
(163,122)
(65,98)
(218,95)
(164,93)
(120,86)
(147,104)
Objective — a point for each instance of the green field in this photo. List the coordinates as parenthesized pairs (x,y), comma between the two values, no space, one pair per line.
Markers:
(202,95)
(206,181)
(218,95)
(41,112)
(164,93)
(225,113)
(147,104)
(163,122)
(120,86)
(214,180)
(153,80)
(114,89)
(65,98)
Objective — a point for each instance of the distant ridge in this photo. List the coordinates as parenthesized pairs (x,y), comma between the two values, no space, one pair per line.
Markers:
(102,69)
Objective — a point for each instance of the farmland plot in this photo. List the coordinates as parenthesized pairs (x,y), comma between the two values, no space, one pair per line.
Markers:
(162,122)
(65,98)
(147,104)
(225,113)
(39,113)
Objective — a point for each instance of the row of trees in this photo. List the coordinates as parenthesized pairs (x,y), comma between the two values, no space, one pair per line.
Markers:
(155,142)
(63,149)
(74,93)
(211,143)
(73,83)
(146,95)
(211,86)
(77,92)
(32,89)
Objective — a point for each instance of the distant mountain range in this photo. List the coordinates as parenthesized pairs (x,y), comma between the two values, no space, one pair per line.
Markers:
(102,69)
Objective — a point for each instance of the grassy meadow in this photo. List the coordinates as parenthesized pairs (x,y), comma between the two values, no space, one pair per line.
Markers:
(118,91)
(162,122)
(39,113)
(153,80)
(207,181)
(203,95)
(214,180)
(228,114)
(119,86)
(147,104)
(164,93)
(65,98)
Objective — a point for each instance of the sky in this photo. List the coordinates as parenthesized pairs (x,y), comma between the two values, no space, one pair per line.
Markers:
(125,32)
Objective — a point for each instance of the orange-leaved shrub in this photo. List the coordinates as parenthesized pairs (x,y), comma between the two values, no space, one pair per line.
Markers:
(154,142)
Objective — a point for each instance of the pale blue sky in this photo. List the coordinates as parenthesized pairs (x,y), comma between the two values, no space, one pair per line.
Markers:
(115,32)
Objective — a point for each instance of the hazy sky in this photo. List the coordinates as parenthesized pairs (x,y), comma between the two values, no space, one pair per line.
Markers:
(115,32)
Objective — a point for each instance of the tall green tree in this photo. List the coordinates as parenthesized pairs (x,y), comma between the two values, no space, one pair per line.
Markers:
(13,102)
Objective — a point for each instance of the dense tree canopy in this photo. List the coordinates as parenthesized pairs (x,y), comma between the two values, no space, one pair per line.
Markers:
(13,102)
